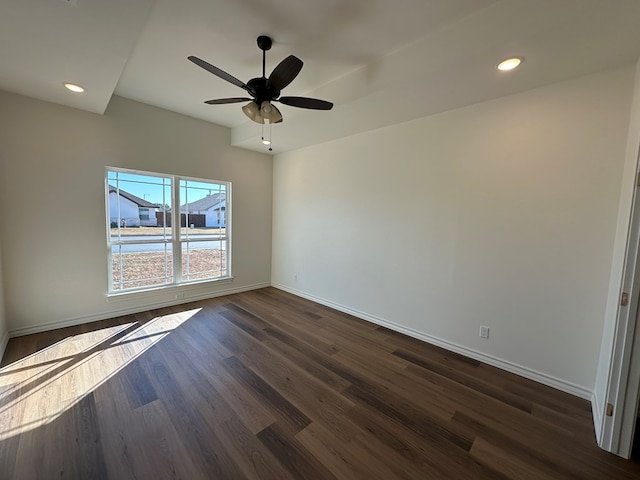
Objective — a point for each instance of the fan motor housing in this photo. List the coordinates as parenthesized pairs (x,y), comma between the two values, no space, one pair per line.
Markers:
(264,43)
(261,90)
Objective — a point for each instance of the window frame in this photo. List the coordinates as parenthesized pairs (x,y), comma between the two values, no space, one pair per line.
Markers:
(174,238)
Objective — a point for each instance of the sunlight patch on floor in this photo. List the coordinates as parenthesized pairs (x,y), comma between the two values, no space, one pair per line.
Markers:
(39,388)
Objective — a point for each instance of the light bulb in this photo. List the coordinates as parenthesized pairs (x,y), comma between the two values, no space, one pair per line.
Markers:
(74,87)
(270,112)
(509,64)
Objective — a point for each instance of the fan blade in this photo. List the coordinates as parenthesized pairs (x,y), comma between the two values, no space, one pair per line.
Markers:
(305,102)
(219,73)
(284,73)
(222,101)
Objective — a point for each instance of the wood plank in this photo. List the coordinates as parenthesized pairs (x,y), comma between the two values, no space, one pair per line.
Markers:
(399,383)
(435,459)
(299,388)
(508,465)
(141,443)
(411,416)
(244,445)
(270,396)
(247,406)
(343,462)
(290,452)
(465,379)
(190,424)
(294,352)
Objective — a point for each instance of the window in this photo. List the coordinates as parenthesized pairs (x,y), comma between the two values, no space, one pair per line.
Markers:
(165,229)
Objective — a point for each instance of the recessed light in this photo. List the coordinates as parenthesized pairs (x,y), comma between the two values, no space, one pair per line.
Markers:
(509,64)
(74,88)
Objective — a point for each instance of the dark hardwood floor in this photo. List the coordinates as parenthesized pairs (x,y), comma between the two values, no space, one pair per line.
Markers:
(265,385)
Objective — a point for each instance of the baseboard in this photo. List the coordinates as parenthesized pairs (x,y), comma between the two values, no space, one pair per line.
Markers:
(3,344)
(597,410)
(557,383)
(70,322)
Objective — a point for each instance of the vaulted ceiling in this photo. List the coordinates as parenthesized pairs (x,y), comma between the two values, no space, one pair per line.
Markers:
(380,61)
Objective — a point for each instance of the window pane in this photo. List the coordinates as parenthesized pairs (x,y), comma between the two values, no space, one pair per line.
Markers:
(203,209)
(139,205)
(141,265)
(145,229)
(202,260)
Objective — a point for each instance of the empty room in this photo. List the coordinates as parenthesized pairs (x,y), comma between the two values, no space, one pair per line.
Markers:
(319,240)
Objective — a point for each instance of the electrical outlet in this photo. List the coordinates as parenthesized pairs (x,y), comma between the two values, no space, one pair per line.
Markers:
(484,331)
(180,296)
(295,277)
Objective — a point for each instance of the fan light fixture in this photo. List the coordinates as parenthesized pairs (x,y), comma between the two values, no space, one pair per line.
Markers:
(509,64)
(252,111)
(266,111)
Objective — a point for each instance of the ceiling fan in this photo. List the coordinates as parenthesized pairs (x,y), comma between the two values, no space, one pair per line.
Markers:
(265,90)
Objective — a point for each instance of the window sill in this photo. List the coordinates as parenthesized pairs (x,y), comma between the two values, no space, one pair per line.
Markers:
(176,292)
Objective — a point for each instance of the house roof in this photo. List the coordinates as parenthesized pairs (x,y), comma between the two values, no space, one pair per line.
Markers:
(205,203)
(130,196)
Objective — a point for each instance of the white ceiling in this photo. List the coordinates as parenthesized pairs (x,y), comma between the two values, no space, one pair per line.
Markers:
(380,61)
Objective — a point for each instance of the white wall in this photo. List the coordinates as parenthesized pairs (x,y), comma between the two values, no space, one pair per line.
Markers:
(53,161)
(500,214)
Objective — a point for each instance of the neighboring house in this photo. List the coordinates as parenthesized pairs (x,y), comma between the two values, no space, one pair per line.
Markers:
(134,211)
(213,207)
